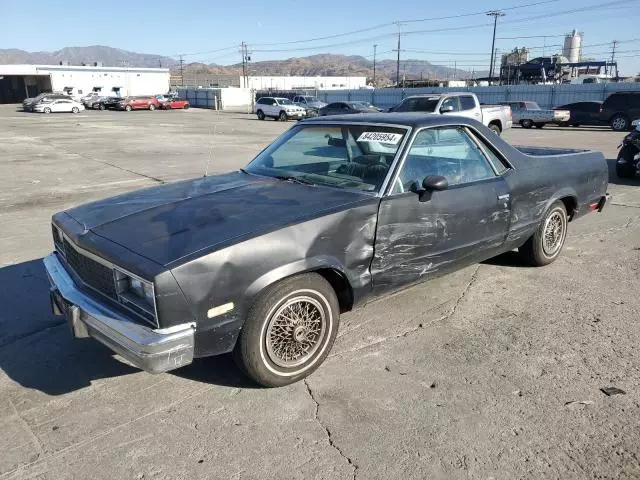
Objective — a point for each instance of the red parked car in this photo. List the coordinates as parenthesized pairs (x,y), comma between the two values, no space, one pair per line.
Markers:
(138,103)
(173,103)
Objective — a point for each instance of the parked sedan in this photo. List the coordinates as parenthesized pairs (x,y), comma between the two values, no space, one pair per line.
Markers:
(582,113)
(107,103)
(174,103)
(342,108)
(337,211)
(138,103)
(58,105)
(29,103)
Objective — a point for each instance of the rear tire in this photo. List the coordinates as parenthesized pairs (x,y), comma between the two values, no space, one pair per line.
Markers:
(289,330)
(526,123)
(546,243)
(47,110)
(620,123)
(260,114)
(101,107)
(627,169)
(495,129)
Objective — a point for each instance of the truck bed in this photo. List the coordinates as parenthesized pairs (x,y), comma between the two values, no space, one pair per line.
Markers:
(547,151)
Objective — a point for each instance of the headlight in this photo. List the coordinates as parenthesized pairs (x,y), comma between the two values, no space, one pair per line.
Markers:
(134,290)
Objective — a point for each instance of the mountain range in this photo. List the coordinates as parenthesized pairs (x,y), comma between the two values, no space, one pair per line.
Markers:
(314,65)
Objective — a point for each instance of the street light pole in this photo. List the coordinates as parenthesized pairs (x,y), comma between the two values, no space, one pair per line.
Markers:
(495,14)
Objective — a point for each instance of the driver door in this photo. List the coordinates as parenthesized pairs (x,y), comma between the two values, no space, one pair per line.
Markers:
(422,234)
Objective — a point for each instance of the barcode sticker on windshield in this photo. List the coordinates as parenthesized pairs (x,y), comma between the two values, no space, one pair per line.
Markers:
(382,137)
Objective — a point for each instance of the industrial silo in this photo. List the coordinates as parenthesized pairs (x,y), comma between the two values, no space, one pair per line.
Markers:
(573,46)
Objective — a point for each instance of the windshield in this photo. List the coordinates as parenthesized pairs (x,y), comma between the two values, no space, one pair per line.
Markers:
(350,156)
(284,101)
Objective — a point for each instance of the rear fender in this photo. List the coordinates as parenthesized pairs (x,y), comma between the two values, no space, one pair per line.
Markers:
(565,192)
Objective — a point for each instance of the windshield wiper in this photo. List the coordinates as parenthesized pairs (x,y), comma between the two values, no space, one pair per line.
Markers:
(292,178)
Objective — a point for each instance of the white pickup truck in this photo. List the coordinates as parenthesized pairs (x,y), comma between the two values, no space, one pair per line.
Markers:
(464,104)
(529,114)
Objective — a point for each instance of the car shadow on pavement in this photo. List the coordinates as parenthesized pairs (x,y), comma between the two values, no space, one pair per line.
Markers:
(36,348)
(38,351)
(508,259)
(219,370)
(615,179)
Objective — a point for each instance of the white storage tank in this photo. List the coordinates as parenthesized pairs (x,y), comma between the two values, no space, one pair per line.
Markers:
(573,46)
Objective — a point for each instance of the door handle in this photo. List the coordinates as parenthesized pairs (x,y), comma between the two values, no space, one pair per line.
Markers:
(506,196)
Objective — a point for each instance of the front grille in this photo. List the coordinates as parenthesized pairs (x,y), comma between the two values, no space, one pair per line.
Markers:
(92,273)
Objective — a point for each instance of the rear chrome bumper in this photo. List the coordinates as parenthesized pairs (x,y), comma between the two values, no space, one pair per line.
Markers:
(152,350)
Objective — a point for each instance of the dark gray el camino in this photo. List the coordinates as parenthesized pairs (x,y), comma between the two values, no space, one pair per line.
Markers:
(336,211)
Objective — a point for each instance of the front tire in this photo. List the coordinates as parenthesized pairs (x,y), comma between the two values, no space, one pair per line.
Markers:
(75,110)
(546,243)
(283,116)
(101,107)
(152,107)
(128,108)
(628,168)
(289,331)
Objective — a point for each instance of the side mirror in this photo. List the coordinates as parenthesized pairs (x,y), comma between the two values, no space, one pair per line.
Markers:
(435,182)
(446,109)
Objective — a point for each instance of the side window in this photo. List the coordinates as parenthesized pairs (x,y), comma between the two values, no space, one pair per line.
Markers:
(497,162)
(447,151)
(467,103)
(450,102)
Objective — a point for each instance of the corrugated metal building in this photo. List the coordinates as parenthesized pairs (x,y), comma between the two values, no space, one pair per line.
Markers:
(18,82)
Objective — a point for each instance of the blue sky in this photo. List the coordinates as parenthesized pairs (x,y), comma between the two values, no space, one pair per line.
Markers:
(198,28)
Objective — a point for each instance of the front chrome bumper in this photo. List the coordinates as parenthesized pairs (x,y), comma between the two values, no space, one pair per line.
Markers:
(154,351)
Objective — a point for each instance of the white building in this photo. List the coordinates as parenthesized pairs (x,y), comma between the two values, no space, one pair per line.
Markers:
(20,81)
(295,83)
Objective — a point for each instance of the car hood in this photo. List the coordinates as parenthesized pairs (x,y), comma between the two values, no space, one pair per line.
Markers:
(169,222)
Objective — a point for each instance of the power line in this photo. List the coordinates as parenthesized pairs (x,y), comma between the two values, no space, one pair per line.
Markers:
(389,24)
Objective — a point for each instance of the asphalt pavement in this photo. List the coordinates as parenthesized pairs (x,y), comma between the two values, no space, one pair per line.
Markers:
(495,371)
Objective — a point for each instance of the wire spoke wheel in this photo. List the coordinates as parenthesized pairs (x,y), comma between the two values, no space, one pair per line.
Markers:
(553,234)
(295,331)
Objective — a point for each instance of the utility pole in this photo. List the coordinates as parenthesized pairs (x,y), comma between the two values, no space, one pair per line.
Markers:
(375,47)
(495,14)
(398,60)
(244,64)
(181,71)
(613,56)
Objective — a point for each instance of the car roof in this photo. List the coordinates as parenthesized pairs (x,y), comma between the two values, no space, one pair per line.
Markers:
(414,120)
